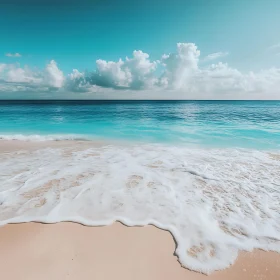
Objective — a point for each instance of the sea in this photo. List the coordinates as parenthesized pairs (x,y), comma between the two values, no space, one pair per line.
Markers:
(242,124)
(206,171)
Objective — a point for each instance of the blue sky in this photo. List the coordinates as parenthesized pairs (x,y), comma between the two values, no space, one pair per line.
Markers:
(76,33)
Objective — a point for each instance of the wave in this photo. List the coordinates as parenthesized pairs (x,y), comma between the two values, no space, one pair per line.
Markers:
(50,137)
(213,201)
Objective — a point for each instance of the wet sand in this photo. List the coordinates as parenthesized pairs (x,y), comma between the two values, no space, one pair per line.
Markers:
(72,251)
(7,146)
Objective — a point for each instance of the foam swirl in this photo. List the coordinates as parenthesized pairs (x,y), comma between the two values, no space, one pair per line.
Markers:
(213,201)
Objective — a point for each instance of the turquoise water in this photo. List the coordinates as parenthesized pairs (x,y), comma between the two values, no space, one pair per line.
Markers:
(245,124)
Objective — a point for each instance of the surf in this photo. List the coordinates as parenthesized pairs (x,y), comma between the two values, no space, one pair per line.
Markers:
(214,202)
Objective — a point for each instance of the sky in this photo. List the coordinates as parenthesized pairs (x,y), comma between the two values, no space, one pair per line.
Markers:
(172,49)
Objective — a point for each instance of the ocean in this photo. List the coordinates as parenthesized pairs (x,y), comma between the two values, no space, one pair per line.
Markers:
(207,171)
(243,124)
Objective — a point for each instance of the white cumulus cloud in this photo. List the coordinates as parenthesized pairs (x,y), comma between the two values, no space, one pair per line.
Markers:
(112,74)
(177,75)
(26,77)
(53,76)
(180,66)
(22,75)
(136,72)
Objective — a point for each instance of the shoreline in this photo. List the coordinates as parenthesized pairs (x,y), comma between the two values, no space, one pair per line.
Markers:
(11,145)
(70,146)
(75,251)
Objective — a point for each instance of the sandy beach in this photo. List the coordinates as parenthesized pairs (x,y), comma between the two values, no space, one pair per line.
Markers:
(140,140)
(73,251)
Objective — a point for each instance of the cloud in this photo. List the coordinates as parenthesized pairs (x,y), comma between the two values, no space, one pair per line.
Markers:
(215,56)
(53,76)
(13,54)
(180,66)
(134,73)
(22,75)
(76,81)
(177,75)
(26,78)
(112,74)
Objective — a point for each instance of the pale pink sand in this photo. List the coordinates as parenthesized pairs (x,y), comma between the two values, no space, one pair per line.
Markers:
(72,251)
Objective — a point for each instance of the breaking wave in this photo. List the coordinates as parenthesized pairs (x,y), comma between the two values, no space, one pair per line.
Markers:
(37,137)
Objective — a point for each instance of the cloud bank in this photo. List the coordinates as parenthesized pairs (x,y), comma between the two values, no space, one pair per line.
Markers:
(177,75)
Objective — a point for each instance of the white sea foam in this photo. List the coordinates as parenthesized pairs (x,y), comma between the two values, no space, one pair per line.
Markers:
(49,137)
(214,202)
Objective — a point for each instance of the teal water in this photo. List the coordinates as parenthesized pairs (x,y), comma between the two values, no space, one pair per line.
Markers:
(244,124)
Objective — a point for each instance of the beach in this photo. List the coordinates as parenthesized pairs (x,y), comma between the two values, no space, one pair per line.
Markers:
(140,140)
(71,250)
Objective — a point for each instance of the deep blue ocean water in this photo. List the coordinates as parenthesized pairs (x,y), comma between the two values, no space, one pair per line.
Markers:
(244,124)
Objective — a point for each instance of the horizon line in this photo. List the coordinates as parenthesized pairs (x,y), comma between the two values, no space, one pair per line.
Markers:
(133,100)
